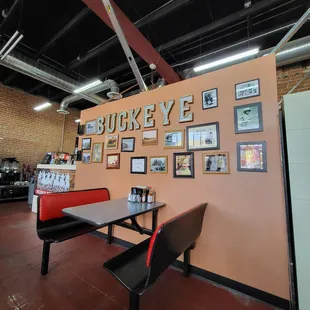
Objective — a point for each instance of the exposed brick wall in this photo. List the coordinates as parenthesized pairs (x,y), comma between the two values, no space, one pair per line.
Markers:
(27,134)
(288,76)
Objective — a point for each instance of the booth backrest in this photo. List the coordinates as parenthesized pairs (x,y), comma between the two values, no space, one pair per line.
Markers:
(171,239)
(51,205)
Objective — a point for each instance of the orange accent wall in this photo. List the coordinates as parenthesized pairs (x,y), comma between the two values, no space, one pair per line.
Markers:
(244,233)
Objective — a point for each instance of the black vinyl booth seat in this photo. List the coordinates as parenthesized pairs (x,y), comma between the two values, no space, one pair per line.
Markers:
(140,266)
(53,226)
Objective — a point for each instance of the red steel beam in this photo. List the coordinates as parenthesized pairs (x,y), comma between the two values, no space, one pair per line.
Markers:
(135,39)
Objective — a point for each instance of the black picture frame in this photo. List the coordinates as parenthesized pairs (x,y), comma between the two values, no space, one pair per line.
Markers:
(260,117)
(217,128)
(203,97)
(144,167)
(249,96)
(128,138)
(176,172)
(86,149)
(80,130)
(264,156)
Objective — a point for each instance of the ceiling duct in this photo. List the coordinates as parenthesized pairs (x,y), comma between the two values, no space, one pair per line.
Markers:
(107,84)
(38,71)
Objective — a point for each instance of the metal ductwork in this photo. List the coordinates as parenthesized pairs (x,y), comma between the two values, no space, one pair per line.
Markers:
(38,71)
(107,84)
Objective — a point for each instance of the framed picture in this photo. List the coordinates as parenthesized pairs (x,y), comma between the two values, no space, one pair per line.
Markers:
(183,165)
(248,118)
(113,161)
(210,99)
(86,157)
(80,130)
(149,137)
(159,164)
(97,152)
(128,144)
(174,139)
(86,144)
(111,142)
(251,156)
(90,127)
(247,89)
(138,165)
(203,137)
(215,162)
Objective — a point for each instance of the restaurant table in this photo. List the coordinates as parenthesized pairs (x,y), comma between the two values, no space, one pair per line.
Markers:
(115,212)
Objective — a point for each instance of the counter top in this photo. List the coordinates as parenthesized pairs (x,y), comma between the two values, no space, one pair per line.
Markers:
(56,167)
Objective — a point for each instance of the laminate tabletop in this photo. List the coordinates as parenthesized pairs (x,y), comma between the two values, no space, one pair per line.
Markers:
(111,211)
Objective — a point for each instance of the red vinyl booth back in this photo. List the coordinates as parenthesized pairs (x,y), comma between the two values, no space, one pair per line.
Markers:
(51,205)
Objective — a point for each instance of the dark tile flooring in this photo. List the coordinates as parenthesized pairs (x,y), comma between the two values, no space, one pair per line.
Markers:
(76,279)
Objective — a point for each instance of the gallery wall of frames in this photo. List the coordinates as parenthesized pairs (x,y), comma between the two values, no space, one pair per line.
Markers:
(213,138)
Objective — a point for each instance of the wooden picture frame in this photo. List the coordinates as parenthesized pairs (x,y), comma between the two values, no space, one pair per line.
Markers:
(215,162)
(183,165)
(97,152)
(174,139)
(90,127)
(203,137)
(86,144)
(138,165)
(113,161)
(252,156)
(159,164)
(129,145)
(150,137)
(248,118)
(111,142)
(247,89)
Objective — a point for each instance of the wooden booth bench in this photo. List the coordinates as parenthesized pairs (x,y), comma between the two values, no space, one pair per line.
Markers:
(140,266)
(54,226)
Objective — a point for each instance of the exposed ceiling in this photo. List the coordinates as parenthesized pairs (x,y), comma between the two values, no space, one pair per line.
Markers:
(60,33)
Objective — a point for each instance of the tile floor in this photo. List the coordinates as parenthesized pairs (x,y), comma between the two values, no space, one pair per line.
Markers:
(76,279)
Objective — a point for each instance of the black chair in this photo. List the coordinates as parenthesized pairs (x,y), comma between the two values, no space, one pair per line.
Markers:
(140,266)
(54,227)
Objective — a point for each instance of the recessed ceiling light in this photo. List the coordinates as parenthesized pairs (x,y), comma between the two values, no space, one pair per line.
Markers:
(227,60)
(42,106)
(88,86)
(1,138)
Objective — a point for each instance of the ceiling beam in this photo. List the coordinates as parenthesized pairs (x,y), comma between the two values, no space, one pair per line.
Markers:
(228,20)
(63,31)
(135,39)
(160,12)
(10,13)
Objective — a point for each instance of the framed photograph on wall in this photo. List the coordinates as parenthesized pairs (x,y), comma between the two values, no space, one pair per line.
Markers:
(174,139)
(203,137)
(159,164)
(113,161)
(97,152)
(90,127)
(210,99)
(149,137)
(86,157)
(248,118)
(86,144)
(128,144)
(183,165)
(247,89)
(138,165)
(215,163)
(111,142)
(251,156)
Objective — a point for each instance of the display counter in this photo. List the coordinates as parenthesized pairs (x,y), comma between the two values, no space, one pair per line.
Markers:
(53,179)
